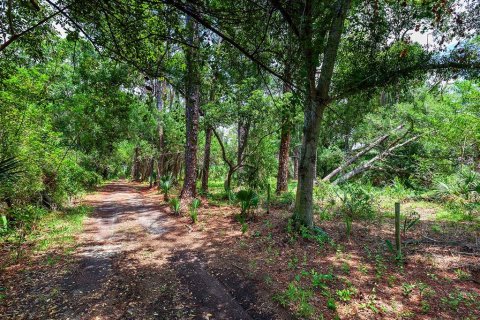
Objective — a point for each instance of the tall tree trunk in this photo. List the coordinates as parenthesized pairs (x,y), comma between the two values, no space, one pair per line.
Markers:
(159,92)
(285,138)
(136,164)
(242,136)
(296,159)
(192,110)
(317,99)
(206,159)
(283,156)
(306,169)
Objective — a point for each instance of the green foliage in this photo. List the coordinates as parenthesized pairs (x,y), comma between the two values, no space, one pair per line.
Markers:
(175,205)
(299,297)
(248,200)
(194,205)
(407,288)
(8,169)
(320,280)
(410,221)
(166,183)
(356,203)
(345,295)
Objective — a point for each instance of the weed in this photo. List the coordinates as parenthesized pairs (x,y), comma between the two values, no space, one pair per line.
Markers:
(462,275)
(331,304)
(437,228)
(320,280)
(425,306)
(293,263)
(345,295)
(410,221)
(432,276)
(363,269)
(299,297)
(194,210)
(370,304)
(357,203)
(380,266)
(345,268)
(407,288)
(244,227)
(166,183)
(248,200)
(175,206)
(391,279)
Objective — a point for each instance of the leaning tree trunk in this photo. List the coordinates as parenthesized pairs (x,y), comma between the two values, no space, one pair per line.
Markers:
(192,110)
(206,159)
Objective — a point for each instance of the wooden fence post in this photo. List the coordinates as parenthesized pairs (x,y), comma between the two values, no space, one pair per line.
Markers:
(398,242)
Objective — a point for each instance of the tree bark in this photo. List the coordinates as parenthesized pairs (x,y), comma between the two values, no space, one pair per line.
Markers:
(206,160)
(317,99)
(159,92)
(192,110)
(296,158)
(285,138)
(369,164)
(283,157)
(136,164)
(242,137)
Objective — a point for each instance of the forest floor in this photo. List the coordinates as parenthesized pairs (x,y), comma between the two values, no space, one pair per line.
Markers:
(135,260)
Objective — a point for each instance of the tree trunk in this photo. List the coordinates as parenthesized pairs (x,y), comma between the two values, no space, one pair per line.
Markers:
(317,99)
(306,169)
(206,160)
(296,158)
(192,110)
(369,164)
(242,136)
(136,165)
(283,156)
(159,92)
(372,145)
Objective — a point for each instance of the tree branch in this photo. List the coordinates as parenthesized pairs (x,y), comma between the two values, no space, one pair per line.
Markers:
(14,37)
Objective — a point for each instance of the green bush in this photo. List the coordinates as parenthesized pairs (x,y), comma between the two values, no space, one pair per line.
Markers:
(356,204)
(194,205)
(175,205)
(166,183)
(248,200)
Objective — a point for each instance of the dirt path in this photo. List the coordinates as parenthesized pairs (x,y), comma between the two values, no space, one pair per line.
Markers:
(136,261)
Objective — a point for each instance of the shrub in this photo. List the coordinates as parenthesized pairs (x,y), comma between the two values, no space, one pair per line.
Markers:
(248,200)
(194,209)
(356,203)
(175,205)
(166,183)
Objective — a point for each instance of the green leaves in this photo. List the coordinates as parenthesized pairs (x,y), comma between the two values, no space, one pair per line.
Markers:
(248,200)
(9,168)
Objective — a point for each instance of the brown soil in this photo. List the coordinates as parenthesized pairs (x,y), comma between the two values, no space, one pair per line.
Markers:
(136,261)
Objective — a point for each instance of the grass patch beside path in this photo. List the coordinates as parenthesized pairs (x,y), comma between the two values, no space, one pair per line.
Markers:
(42,231)
(58,229)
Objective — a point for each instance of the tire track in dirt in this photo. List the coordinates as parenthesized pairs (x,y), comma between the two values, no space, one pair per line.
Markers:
(113,280)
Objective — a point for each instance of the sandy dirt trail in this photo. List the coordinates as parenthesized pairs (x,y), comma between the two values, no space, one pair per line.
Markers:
(136,261)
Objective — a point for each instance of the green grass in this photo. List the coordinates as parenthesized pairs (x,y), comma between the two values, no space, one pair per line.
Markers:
(58,229)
